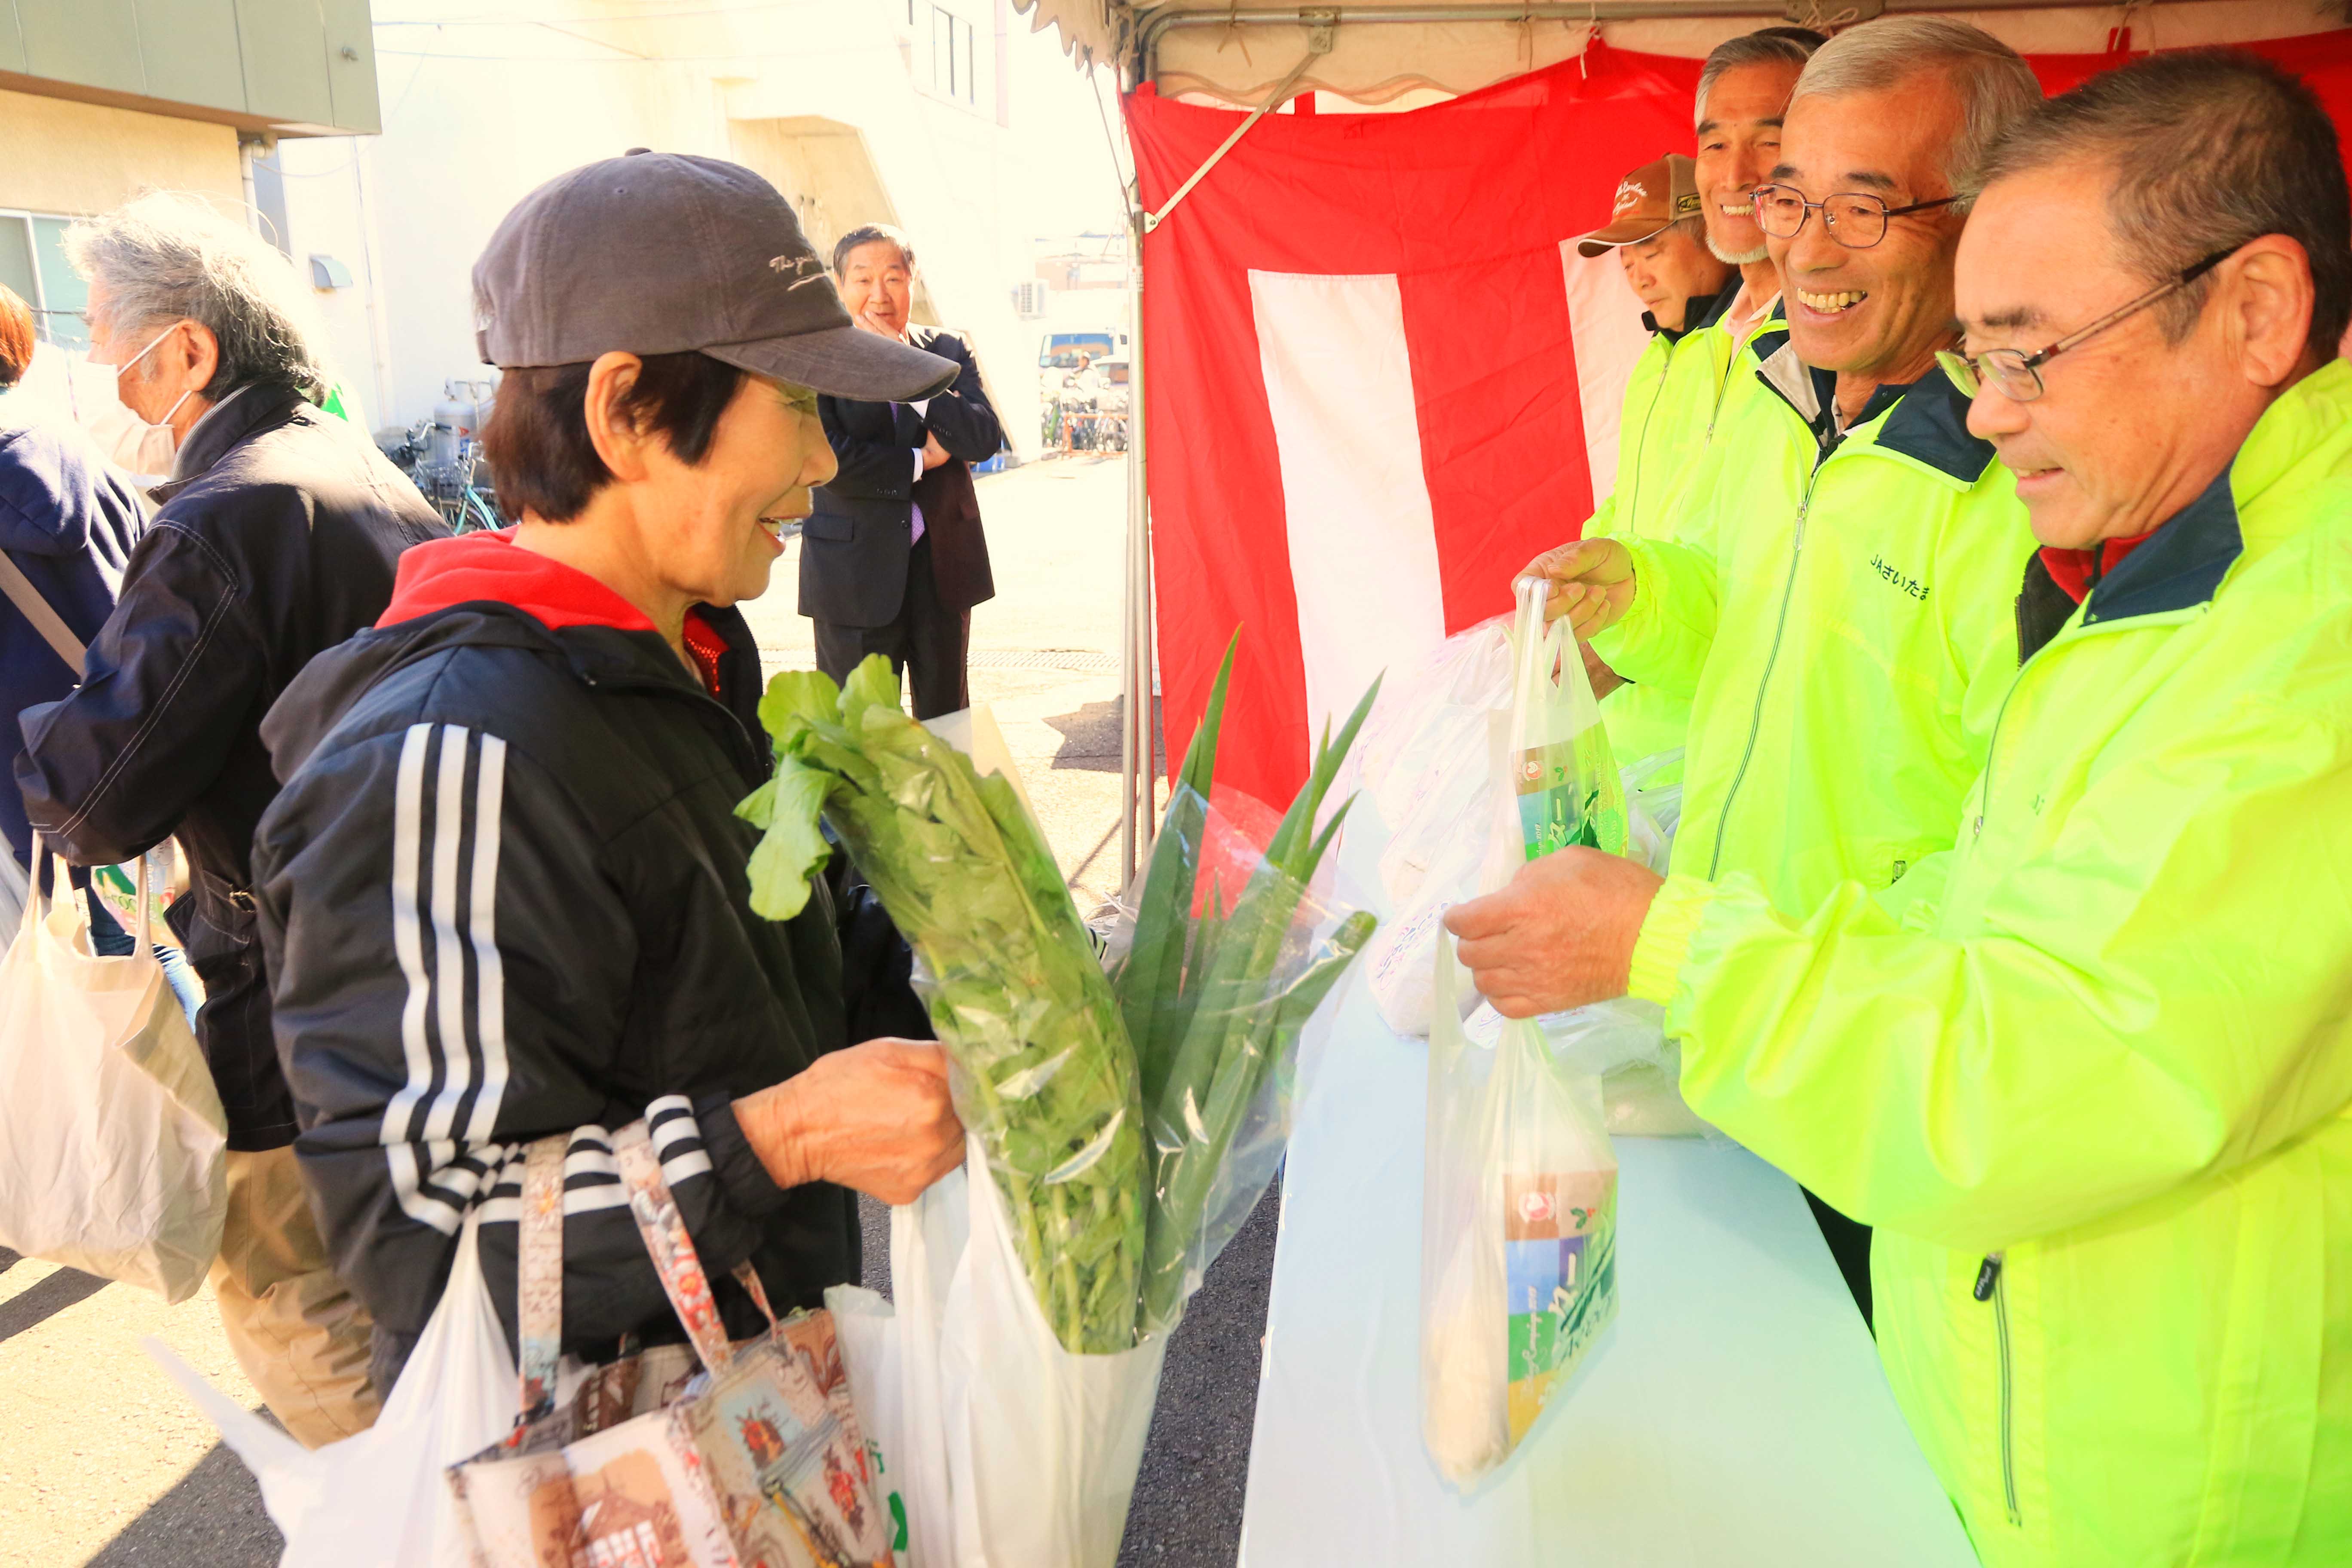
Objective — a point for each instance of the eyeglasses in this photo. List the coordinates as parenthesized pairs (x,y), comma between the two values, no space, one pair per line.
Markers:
(2017,375)
(1854,218)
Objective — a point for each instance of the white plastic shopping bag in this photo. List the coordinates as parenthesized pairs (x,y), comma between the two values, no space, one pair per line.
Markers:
(112,1134)
(1518,1232)
(379,1499)
(13,886)
(1011,1452)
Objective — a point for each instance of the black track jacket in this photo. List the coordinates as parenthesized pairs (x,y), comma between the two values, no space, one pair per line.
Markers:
(503,895)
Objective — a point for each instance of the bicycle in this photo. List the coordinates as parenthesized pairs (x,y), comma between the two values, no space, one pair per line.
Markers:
(449,488)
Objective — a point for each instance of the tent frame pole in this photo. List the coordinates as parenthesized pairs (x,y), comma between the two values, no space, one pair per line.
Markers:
(1318,19)
(1139,766)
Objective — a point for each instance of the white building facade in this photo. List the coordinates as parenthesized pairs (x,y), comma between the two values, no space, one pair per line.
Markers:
(860,110)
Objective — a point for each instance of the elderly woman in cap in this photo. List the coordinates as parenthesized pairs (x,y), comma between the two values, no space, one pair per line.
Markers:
(538,749)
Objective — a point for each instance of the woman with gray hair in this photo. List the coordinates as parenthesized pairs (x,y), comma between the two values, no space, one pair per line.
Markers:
(277,539)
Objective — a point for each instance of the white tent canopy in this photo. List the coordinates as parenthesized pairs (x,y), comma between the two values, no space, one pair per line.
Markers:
(1371,51)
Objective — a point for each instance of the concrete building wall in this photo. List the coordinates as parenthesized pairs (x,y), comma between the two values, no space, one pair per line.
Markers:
(59,156)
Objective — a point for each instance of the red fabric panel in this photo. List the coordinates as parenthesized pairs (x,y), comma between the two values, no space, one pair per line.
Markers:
(1465,203)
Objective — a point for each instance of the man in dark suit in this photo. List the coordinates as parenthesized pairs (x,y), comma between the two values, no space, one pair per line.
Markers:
(893,559)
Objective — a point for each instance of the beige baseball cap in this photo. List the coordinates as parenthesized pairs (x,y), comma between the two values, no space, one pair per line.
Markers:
(1649,200)
(655,253)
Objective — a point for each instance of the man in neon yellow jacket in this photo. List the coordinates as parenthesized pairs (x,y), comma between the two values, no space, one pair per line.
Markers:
(1703,354)
(2091,1072)
(1659,236)
(1836,602)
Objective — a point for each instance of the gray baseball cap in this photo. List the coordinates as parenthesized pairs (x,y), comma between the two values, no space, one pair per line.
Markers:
(654,253)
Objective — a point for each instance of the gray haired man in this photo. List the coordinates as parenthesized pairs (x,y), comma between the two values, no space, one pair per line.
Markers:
(1836,597)
(277,539)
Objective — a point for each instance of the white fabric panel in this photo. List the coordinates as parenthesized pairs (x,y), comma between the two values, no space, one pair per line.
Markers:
(1604,320)
(1363,540)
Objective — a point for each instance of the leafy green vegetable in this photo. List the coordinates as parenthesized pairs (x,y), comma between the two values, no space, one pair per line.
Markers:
(1053,1063)
(1043,1072)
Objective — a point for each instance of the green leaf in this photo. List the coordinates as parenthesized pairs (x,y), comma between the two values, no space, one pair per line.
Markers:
(792,847)
(797,698)
(872,684)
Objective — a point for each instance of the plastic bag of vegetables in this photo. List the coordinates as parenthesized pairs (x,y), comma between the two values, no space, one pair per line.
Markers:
(1520,1190)
(1518,1232)
(1069,1247)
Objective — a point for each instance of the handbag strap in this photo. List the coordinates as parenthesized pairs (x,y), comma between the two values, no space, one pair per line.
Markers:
(37,905)
(675,1259)
(539,1275)
(539,1270)
(46,621)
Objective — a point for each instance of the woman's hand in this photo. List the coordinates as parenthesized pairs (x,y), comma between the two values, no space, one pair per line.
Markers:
(1592,584)
(875,1118)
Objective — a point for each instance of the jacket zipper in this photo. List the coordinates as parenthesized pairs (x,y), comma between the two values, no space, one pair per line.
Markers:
(1780,629)
(1642,441)
(1990,1287)
(646,685)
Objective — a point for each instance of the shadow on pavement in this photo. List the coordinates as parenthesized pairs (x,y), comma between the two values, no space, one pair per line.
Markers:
(45,1300)
(213,1517)
(1090,738)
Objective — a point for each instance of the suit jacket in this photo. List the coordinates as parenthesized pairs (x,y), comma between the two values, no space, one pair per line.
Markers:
(854,546)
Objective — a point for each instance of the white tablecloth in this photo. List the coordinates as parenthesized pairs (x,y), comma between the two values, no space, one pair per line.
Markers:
(1734,1414)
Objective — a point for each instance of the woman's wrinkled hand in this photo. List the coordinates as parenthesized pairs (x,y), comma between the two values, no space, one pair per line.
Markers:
(875,1118)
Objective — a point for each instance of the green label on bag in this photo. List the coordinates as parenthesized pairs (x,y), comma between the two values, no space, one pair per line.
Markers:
(1560,1236)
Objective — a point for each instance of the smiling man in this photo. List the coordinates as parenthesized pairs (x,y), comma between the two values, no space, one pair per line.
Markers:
(1742,109)
(2091,1072)
(893,558)
(1677,224)
(1836,603)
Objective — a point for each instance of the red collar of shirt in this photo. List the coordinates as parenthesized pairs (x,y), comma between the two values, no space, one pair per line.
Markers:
(445,572)
(2078,571)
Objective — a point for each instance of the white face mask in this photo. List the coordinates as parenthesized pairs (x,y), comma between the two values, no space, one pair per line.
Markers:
(147,448)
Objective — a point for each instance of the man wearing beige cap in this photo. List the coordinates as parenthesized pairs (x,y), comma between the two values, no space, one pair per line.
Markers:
(504,892)
(1660,237)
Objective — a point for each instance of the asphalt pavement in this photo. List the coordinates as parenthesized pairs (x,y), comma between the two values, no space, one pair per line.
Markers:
(101,1459)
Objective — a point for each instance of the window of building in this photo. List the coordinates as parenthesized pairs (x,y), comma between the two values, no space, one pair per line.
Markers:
(33,263)
(955,54)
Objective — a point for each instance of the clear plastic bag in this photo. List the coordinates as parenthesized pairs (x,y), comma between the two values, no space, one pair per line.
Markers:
(1214,1004)
(1562,774)
(1518,1232)
(1502,710)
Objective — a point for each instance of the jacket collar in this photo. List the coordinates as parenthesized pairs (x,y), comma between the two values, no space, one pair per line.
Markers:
(1710,313)
(1925,420)
(227,426)
(2180,565)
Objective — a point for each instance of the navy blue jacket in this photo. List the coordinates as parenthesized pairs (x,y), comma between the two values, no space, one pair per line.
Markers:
(68,522)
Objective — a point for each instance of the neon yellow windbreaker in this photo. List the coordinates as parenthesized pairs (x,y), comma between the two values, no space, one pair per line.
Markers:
(1679,387)
(1844,626)
(2092,1085)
